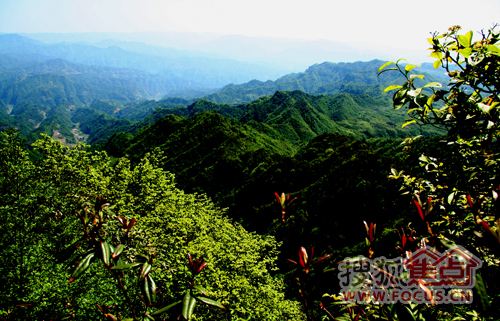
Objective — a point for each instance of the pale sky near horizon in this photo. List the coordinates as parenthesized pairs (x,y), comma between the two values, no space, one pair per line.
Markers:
(398,23)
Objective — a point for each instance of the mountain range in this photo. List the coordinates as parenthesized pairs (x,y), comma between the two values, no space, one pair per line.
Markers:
(290,55)
(196,70)
(327,134)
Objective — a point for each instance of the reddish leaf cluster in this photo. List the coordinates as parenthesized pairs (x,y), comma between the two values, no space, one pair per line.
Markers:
(196,265)
(307,262)
(284,202)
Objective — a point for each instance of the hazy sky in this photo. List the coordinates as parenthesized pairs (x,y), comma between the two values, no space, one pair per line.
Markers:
(402,23)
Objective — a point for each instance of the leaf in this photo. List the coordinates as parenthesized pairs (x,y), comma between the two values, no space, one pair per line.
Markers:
(188,304)
(168,307)
(106,252)
(146,290)
(201,267)
(190,261)
(118,250)
(366,228)
(408,123)
(469,36)
(322,258)
(481,290)
(437,64)
(419,208)
(412,77)
(399,98)
(465,52)
(451,197)
(430,101)
(277,197)
(303,257)
(152,288)
(385,65)
(146,267)
(122,220)
(464,41)
(433,85)
(429,206)
(490,230)
(200,289)
(392,88)
(82,267)
(411,67)
(469,200)
(211,302)
(131,224)
(494,49)
(437,54)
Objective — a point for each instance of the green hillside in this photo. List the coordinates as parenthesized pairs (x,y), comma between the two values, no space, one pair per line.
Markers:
(200,148)
(325,78)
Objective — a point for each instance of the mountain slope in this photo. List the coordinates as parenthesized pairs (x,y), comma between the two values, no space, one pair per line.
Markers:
(201,148)
(325,78)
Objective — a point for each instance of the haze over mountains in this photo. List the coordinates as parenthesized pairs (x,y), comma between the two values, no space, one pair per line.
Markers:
(289,55)
(46,78)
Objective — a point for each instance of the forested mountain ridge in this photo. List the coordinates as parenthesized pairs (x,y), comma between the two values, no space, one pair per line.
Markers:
(296,117)
(324,78)
(117,92)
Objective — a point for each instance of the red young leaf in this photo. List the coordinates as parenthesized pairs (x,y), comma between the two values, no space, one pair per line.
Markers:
(419,208)
(303,258)
(469,200)
(123,221)
(131,224)
(277,197)
(201,266)
(322,258)
(429,206)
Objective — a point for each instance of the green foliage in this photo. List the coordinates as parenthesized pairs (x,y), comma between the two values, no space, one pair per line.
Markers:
(320,79)
(42,212)
(455,193)
(98,125)
(139,110)
(237,260)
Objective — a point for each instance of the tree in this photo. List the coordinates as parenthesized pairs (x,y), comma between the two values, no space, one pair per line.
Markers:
(68,218)
(456,196)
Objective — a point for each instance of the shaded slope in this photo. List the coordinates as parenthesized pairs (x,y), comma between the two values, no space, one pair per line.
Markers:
(204,150)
